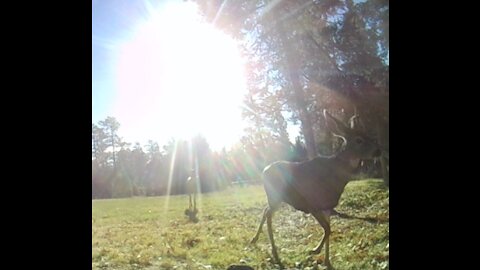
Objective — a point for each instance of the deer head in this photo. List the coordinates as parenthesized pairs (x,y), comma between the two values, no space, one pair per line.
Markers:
(355,142)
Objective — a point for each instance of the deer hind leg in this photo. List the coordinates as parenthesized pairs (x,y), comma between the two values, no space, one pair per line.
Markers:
(264,217)
(324,221)
(269,214)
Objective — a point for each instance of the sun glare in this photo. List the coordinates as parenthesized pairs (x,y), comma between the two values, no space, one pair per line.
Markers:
(177,77)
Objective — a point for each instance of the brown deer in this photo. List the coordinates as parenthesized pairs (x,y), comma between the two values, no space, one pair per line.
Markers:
(192,190)
(315,186)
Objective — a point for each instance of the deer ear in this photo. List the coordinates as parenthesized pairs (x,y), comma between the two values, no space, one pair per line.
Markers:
(334,124)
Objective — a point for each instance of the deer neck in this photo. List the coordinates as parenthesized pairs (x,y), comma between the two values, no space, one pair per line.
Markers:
(351,163)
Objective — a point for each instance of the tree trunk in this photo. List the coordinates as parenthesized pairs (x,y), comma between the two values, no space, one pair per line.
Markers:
(293,71)
(306,122)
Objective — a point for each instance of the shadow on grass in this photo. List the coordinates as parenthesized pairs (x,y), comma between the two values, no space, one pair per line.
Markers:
(368,219)
(192,215)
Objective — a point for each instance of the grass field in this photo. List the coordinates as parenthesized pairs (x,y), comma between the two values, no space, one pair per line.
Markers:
(154,233)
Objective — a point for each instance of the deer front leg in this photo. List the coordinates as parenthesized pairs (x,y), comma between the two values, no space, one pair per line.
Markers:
(327,245)
(194,202)
(190,201)
(319,247)
(264,217)
(324,221)
(322,218)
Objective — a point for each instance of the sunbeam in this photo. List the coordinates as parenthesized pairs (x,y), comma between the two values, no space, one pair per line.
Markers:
(170,179)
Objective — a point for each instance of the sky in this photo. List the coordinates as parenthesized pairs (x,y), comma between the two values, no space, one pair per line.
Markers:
(112,22)
(163,74)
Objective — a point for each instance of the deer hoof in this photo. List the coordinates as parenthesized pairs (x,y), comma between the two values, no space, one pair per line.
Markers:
(280,265)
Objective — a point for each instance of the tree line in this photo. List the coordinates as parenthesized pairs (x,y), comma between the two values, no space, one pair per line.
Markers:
(120,169)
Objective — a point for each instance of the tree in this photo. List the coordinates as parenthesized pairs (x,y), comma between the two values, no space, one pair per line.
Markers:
(101,185)
(110,126)
(300,152)
(156,170)
(308,56)
(207,164)
(98,145)
(132,165)
(153,149)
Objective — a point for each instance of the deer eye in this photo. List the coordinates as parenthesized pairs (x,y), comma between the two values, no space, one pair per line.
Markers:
(358,140)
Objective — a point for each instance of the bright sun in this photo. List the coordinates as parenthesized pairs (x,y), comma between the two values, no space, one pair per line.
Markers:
(177,77)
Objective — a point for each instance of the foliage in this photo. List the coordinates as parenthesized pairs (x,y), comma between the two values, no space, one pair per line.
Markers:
(307,56)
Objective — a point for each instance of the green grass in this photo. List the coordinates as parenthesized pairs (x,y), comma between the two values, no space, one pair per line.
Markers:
(145,233)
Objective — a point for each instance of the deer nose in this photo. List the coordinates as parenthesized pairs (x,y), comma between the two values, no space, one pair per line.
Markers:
(377,153)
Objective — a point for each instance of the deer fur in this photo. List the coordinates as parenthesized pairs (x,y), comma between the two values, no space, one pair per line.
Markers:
(192,190)
(315,186)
